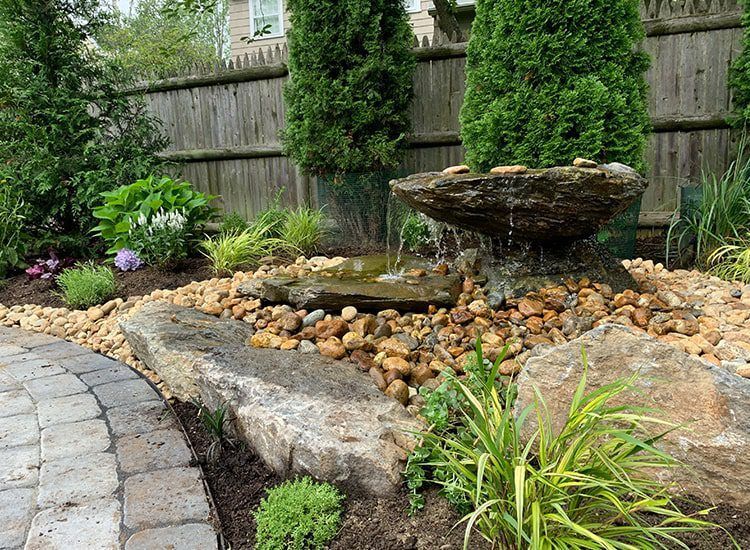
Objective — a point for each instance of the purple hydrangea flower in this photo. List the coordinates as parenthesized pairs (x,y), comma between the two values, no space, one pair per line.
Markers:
(127,260)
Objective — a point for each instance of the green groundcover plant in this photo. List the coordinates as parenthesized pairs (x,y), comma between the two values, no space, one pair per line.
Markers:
(523,484)
(550,81)
(86,285)
(298,515)
(348,97)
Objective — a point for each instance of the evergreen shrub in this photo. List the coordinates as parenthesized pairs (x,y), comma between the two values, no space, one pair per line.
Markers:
(554,80)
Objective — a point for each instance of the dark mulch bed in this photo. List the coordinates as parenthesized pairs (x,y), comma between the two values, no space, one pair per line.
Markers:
(239,479)
(19,290)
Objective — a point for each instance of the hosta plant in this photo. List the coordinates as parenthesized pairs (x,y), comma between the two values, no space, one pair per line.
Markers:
(527,485)
(146,197)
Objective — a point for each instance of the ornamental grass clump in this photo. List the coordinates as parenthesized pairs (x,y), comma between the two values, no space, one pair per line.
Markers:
(551,81)
(86,285)
(298,515)
(303,229)
(524,484)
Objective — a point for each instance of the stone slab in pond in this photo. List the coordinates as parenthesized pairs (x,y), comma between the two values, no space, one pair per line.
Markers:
(363,282)
(539,205)
(711,404)
(300,413)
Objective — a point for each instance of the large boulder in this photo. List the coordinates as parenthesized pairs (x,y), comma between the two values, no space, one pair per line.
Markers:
(367,282)
(711,403)
(300,413)
(538,205)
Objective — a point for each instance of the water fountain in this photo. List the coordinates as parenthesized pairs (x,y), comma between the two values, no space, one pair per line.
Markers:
(539,225)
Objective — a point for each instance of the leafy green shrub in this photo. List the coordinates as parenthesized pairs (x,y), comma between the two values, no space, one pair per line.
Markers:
(233,223)
(67,134)
(303,229)
(722,214)
(229,251)
(551,81)
(415,233)
(146,197)
(298,515)
(739,76)
(12,222)
(584,487)
(351,87)
(162,239)
(86,285)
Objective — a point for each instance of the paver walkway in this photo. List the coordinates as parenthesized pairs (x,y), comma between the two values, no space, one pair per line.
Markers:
(89,456)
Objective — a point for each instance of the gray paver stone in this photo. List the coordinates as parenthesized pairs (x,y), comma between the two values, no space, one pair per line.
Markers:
(55,386)
(139,418)
(7,382)
(124,392)
(56,351)
(152,451)
(26,339)
(16,509)
(19,467)
(165,497)
(32,368)
(111,374)
(15,402)
(91,526)
(77,480)
(75,439)
(7,351)
(18,430)
(71,408)
(81,364)
(195,536)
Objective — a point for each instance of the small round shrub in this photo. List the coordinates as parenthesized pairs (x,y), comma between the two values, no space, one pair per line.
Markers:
(233,223)
(298,515)
(86,285)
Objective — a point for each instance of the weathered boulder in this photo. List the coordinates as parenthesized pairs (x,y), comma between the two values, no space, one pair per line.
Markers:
(366,282)
(537,205)
(711,403)
(301,413)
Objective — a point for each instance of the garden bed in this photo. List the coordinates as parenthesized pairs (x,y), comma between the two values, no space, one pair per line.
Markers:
(20,290)
(239,479)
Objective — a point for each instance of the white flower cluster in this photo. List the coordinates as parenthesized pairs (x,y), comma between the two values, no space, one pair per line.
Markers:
(174,221)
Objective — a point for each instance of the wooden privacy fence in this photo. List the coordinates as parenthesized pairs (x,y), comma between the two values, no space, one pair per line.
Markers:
(224,121)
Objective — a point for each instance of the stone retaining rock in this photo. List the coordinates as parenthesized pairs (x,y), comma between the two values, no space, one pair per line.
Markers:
(713,404)
(300,413)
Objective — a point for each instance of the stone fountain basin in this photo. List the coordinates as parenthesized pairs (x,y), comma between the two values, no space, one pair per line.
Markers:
(539,205)
(363,282)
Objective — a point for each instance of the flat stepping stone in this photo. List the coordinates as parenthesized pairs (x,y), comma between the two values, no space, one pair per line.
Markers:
(90,457)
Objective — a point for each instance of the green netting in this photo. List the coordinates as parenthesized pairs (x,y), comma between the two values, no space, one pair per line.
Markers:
(619,235)
(358,204)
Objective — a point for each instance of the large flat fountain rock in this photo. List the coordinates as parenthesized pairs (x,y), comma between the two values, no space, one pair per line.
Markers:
(711,404)
(540,205)
(300,413)
(364,282)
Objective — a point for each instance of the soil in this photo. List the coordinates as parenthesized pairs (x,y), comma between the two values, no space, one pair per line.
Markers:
(19,290)
(239,480)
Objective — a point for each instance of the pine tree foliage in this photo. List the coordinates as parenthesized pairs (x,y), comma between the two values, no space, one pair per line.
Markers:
(348,97)
(554,80)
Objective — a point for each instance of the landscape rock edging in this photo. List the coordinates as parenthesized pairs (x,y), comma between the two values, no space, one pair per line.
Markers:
(713,404)
(300,413)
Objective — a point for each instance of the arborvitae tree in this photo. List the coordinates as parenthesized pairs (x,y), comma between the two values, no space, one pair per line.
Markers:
(348,98)
(548,81)
(66,133)
(740,77)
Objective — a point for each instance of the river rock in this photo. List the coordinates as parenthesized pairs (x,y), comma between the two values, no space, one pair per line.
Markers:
(302,414)
(712,404)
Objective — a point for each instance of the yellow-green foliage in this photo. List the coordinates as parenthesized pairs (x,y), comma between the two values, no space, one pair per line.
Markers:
(298,515)
(303,229)
(86,285)
(229,251)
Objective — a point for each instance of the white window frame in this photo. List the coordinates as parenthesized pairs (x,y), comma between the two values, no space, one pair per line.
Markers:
(253,30)
(413,6)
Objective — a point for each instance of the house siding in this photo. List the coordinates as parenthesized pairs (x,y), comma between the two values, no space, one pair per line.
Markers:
(239,27)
